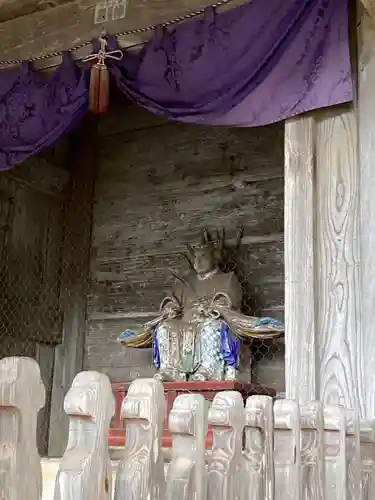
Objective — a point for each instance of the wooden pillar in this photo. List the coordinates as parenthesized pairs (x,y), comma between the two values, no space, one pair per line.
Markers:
(366,122)
(75,276)
(300,136)
(324,349)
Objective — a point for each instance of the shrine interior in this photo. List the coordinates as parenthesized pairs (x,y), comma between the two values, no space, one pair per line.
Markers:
(158,185)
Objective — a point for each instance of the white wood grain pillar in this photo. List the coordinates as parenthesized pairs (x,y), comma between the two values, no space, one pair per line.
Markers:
(299,259)
(322,291)
(366,121)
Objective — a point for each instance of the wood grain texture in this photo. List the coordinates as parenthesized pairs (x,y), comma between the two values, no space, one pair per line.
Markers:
(259,473)
(159,185)
(69,25)
(366,110)
(85,471)
(22,395)
(186,476)
(226,467)
(140,473)
(300,335)
(287,450)
(338,327)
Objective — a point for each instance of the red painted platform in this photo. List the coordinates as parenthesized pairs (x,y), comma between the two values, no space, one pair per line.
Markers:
(172,390)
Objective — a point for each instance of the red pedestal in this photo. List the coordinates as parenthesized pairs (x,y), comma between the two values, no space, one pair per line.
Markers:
(171,391)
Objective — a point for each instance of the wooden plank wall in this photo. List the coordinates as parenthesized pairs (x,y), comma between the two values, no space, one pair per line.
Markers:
(159,185)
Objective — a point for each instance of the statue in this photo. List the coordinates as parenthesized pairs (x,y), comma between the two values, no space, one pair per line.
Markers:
(197,335)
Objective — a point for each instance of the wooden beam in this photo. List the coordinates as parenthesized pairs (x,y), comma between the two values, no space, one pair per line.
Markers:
(11,9)
(69,25)
(74,277)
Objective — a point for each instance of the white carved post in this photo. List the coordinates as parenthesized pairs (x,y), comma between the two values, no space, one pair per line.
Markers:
(259,473)
(225,472)
(140,475)
(367,430)
(22,395)
(186,477)
(287,435)
(85,471)
(354,460)
(312,450)
(335,452)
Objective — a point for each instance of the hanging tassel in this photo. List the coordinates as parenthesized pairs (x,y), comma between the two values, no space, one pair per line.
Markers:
(99,89)
(99,78)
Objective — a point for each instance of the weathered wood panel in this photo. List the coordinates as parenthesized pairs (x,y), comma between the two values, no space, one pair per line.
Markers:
(159,185)
(41,176)
(31,235)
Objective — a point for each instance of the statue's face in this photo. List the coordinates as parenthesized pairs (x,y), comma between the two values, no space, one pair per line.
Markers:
(204,260)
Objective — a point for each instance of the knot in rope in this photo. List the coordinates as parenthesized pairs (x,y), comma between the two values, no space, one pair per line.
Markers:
(102,54)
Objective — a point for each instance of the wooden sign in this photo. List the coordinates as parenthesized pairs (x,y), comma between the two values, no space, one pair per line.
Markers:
(110,10)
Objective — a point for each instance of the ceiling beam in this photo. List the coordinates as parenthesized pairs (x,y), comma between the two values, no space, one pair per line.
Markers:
(11,9)
(66,26)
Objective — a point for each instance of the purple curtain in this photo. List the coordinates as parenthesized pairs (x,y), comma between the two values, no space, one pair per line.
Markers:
(252,65)
(36,110)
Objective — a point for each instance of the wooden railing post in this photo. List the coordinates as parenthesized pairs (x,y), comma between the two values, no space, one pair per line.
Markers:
(259,476)
(140,474)
(312,450)
(226,470)
(335,454)
(85,471)
(287,435)
(186,477)
(22,395)
(354,460)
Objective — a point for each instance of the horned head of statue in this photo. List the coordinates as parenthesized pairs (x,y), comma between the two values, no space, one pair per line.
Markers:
(207,255)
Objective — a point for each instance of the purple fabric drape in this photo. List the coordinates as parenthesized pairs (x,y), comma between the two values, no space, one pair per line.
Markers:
(35,111)
(252,65)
